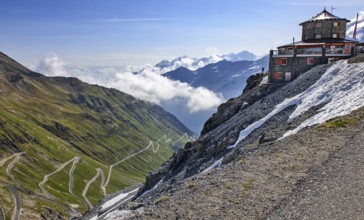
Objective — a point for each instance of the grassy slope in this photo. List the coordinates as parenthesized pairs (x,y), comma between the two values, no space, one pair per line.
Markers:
(53,120)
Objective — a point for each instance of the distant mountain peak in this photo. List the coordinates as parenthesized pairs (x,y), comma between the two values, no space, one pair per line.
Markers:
(192,63)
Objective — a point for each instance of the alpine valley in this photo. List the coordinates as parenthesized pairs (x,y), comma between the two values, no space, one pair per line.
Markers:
(65,144)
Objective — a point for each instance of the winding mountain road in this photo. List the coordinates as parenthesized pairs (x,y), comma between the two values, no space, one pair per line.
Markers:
(84,192)
(46,177)
(16,194)
(18,204)
(3,161)
(70,185)
(2,216)
(154,149)
(47,196)
(11,165)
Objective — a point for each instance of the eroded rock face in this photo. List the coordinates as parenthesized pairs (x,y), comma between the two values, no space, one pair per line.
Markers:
(252,93)
(231,118)
(50,214)
(263,177)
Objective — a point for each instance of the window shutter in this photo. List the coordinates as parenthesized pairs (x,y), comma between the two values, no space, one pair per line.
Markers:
(279,61)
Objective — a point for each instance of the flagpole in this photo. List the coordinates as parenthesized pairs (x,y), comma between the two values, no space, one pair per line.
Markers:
(356,24)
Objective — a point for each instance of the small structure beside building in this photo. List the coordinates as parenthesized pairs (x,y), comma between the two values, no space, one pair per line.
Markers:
(323,41)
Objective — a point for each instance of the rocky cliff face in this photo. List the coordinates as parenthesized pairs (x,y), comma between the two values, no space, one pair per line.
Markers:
(268,174)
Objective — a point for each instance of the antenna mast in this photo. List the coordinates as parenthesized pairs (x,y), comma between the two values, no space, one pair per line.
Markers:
(332,8)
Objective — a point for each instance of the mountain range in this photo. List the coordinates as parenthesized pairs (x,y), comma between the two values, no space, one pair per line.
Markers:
(225,78)
(66,144)
(192,63)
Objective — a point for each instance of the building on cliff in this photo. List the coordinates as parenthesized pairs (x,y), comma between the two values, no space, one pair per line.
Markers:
(323,41)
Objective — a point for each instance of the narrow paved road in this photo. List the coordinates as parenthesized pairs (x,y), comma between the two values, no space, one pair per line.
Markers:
(84,192)
(154,149)
(3,161)
(46,177)
(70,185)
(11,165)
(17,199)
(2,215)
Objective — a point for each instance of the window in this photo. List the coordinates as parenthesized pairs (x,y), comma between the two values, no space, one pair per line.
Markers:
(335,35)
(318,36)
(282,61)
(336,23)
(318,24)
(278,75)
(310,60)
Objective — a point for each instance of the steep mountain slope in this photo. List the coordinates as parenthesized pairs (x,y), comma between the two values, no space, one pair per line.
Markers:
(284,155)
(65,144)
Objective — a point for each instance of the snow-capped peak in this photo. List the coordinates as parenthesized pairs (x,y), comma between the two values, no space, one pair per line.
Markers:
(192,63)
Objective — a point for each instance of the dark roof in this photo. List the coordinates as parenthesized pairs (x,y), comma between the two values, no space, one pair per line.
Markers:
(318,42)
(325,15)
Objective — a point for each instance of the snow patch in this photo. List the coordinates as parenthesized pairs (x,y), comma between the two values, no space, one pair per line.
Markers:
(264,81)
(214,165)
(248,130)
(341,88)
(115,200)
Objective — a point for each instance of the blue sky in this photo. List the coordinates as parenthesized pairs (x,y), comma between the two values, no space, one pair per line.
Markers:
(136,32)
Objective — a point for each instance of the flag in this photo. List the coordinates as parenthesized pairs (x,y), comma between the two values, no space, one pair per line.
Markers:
(356,23)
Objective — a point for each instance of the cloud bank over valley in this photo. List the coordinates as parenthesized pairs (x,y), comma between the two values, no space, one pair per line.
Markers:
(147,84)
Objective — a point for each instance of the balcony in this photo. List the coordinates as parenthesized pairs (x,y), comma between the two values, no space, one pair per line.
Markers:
(283,53)
(309,52)
(338,51)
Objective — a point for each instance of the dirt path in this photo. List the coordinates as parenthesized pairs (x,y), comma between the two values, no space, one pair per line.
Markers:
(333,191)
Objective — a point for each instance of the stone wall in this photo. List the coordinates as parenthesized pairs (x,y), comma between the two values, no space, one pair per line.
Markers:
(326,30)
(295,65)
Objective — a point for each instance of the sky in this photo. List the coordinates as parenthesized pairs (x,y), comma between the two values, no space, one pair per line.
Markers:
(138,32)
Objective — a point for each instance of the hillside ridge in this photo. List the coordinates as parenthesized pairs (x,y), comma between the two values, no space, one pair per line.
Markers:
(58,133)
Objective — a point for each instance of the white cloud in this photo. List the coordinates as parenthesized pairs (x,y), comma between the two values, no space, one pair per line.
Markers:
(212,51)
(147,85)
(52,65)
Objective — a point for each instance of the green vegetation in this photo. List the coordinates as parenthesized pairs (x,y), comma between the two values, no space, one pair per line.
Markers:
(341,122)
(161,199)
(247,186)
(56,119)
